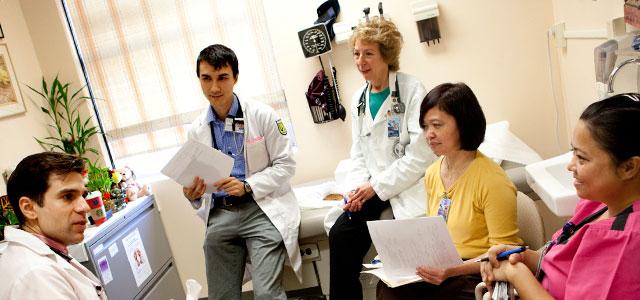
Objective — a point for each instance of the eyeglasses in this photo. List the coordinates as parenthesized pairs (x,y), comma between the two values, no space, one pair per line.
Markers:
(443,208)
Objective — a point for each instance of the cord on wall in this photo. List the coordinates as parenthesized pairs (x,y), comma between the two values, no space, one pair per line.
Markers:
(553,90)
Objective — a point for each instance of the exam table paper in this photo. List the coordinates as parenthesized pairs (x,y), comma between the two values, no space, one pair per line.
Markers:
(312,196)
(403,245)
(197,159)
(500,143)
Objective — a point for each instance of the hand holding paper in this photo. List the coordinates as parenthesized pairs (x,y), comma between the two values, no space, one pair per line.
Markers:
(195,190)
(195,159)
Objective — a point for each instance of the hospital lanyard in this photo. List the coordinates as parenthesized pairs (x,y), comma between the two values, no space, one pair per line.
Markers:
(568,230)
(68,259)
(397,105)
(240,116)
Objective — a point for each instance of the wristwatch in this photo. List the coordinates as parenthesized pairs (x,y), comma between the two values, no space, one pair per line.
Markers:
(247,187)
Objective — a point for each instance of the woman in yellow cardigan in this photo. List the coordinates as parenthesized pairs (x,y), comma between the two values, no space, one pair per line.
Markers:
(470,191)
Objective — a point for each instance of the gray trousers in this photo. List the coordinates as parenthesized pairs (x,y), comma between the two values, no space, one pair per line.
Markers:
(232,232)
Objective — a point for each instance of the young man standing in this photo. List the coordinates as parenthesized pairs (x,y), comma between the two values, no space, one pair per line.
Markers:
(47,193)
(254,213)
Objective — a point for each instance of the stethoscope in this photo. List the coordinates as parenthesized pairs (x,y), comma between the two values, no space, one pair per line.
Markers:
(233,124)
(397,106)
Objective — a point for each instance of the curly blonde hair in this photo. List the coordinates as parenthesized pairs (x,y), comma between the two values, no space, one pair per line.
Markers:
(384,33)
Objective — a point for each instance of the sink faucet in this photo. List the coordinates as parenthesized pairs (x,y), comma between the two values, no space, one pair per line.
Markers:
(616,69)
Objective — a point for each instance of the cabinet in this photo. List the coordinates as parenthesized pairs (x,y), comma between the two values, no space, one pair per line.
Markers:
(131,255)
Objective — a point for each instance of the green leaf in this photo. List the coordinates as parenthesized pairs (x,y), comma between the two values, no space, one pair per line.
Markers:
(13,219)
(44,87)
(72,128)
(78,92)
(38,92)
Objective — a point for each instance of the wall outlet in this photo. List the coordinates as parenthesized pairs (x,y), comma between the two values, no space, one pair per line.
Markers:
(309,252)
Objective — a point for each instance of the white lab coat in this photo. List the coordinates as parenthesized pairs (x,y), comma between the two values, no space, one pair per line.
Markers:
(31,270)
(398,180)
(269,166)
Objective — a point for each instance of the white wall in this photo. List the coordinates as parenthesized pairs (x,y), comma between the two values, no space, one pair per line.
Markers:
(17,132)
(497,47)
(576,64)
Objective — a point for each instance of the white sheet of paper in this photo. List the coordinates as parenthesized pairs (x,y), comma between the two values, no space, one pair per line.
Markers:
(393,281)
(197,159)
(501,143)
(404,245)
(137,256)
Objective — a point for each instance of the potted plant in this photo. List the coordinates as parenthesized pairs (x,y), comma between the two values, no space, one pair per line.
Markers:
(71,131)
(7,215)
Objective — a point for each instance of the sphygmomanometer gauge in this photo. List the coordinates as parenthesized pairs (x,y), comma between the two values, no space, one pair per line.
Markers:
(314,41)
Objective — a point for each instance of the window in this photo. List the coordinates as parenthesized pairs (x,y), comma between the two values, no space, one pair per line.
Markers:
(139,58)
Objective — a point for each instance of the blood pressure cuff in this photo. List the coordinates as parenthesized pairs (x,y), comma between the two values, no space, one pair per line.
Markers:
(320,98)
(327,13)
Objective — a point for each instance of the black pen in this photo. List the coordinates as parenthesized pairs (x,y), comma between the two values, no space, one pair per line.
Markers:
(504,255)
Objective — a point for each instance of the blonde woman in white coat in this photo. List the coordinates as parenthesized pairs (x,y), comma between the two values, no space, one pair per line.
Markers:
(255,213)
(389,157)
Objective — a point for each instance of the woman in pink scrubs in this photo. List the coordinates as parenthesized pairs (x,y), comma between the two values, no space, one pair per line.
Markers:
(596,255)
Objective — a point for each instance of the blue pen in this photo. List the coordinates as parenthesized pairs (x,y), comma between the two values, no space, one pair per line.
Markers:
(504,255)
(346,211)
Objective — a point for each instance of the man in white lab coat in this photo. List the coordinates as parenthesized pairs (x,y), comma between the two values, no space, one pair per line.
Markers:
(254,211)
(47,192)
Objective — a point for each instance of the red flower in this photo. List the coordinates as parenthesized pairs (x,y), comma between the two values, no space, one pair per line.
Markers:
(106,195)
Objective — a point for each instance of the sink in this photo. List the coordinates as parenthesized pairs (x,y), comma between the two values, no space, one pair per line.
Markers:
(551,180)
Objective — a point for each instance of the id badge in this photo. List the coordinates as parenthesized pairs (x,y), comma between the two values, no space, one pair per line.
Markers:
(443,208)
(393,125)
(228,124)
(238,125)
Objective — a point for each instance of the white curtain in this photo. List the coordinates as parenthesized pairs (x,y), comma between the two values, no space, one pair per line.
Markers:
(140,58)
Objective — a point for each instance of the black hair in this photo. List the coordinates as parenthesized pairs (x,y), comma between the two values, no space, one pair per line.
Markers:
(218,56)
(613,123)
(459,101)
(31,177)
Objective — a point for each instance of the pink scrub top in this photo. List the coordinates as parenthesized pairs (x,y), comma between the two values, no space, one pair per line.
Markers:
(600,261)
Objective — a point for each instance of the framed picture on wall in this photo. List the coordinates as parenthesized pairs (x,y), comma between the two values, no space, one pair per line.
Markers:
(10,97)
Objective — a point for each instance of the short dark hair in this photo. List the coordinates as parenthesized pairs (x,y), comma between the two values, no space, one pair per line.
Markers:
(613,123)
(458,100)
(218,56)
(31,177)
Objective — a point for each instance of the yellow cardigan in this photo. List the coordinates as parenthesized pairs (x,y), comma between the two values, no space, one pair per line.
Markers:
(483,206)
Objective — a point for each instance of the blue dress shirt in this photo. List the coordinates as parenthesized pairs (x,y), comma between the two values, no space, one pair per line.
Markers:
(229,142)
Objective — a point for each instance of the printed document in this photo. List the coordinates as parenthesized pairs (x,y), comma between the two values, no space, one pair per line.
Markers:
(403,245)
(197,159)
